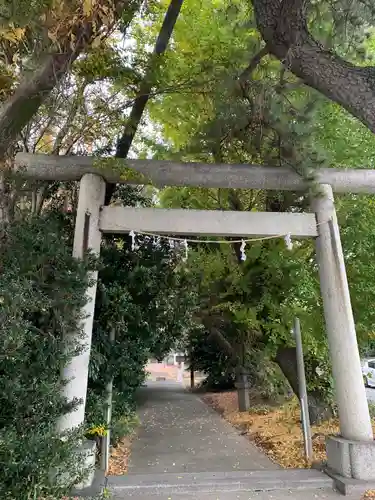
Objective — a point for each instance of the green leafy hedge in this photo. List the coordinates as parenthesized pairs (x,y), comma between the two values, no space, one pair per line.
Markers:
(42,289)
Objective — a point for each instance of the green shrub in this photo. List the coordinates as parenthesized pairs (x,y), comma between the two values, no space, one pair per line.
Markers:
(42,289)
(207,357)
(260,410)
(123,426)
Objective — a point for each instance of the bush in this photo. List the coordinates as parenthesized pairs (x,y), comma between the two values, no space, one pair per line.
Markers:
(123,426)
(207,357)
(42,289)
(266,377)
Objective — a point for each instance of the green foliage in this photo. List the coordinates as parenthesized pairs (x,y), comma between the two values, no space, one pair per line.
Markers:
(356,215)
(266,376)
(42,289)
(124,425)
(22,11)
(207,357)
(142,299)
(249,303)
(270,118)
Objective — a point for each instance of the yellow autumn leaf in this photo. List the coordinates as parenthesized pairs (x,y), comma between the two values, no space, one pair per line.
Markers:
(87,7)
(13,34)
(52,35)
(18,33)
(96,42)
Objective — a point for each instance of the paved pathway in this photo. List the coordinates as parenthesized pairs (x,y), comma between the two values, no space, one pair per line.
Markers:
(180,433)
(186,451)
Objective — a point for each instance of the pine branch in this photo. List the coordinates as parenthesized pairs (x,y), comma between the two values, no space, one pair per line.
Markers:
(255,61)
(283,25)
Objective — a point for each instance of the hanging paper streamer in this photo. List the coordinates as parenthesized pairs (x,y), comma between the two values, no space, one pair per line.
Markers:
(242,250)
(132,235)
(185,258)
(288,241)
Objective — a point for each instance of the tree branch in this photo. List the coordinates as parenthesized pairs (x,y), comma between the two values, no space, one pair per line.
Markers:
(216,335)
(68,121)
(29,95)
(283,26)
(140,102)
(255,61)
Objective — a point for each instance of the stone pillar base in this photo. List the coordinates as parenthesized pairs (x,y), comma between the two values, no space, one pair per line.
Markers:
(85,453)
(88,449)
(351,459)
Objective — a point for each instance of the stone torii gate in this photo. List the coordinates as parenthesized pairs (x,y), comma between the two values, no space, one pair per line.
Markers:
(352,454)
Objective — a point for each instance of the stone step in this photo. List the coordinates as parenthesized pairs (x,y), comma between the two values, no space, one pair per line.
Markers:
(313,494)
(187,484)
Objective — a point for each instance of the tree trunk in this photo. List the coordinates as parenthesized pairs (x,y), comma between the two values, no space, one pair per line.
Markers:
(192,378)
(4,205)
(319,410)
(216,335)
(283,26)
(140,102)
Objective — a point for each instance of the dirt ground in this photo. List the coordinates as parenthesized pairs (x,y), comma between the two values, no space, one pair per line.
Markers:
(276,430)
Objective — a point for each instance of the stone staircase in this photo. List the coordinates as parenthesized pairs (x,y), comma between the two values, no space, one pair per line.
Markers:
(297,483)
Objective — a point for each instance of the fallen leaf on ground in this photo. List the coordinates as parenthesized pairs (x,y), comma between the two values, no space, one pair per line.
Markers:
(274,430)
(119,459)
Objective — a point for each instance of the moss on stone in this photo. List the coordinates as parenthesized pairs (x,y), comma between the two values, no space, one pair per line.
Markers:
(120,166)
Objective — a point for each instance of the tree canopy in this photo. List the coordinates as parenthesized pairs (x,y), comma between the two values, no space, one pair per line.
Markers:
(220,107)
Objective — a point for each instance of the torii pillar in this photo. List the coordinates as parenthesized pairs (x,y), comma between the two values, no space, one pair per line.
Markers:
(87,236)
(348,453)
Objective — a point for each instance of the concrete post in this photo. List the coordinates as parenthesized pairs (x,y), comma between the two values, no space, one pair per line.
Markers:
(86,236)
(180,372)
(243,386)
(355,423)
(302,391)
(106,440)
(192,377)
